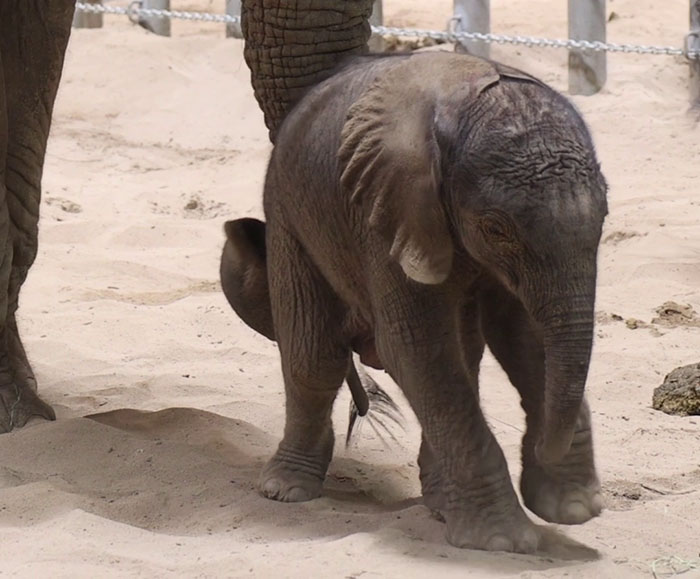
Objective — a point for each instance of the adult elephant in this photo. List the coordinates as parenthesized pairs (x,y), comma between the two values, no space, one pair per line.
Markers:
(417,208)
(33,39)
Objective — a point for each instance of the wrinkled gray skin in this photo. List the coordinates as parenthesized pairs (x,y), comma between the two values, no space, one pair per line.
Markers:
(417,208)
(243,275)
(33,39)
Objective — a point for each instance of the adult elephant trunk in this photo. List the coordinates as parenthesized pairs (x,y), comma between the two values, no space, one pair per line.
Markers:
(568,339)
(291,45)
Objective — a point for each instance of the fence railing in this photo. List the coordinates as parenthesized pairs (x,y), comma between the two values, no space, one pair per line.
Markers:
(694,46)
(468,27)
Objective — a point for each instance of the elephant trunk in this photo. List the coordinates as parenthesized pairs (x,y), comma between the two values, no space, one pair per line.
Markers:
(568,339)
(291,45)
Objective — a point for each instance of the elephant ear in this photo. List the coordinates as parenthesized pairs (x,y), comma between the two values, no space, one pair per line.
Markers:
(506,71)
(389,159)
(390,162)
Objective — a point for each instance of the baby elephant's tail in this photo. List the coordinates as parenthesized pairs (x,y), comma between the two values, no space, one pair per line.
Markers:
(379,408)
(244,280)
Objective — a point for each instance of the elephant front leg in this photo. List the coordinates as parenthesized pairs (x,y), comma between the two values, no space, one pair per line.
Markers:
(567,492)
(33,39)
(19,400)
(431,479)
(463,471)
(314,365)
(472,344)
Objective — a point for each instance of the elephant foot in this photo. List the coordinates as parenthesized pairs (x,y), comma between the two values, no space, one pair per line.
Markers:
(19,400)
(486,516)
(558,497)
(567,493)
(19,403)
(492,529)
(291,476)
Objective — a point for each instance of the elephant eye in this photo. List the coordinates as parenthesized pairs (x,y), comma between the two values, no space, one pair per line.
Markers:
(495,230)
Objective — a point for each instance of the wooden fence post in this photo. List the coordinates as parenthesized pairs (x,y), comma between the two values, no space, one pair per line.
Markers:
(587,68)
(88,19)
(376,42)
(473,16)
(160,26)
(694,44)
(233,8)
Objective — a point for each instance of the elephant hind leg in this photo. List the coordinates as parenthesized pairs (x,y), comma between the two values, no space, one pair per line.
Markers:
(308,320)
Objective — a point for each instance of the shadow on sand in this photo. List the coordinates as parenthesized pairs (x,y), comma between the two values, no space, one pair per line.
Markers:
(183,471)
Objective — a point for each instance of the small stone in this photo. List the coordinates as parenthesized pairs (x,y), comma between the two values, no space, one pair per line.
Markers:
(673,314)
(680,392)
(192,204)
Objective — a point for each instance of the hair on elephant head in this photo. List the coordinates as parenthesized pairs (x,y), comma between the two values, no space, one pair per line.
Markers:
(425,206)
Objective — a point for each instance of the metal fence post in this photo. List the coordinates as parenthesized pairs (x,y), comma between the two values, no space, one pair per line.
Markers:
(694,44)
(160,26)
(233,8)
(587,68)
(473,16)
(376,42)
(88,19)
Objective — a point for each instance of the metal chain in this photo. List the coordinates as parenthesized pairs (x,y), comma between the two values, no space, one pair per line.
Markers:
(570,44)
(134,11)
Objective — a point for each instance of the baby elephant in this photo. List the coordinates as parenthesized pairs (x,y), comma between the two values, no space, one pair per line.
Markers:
(419,207)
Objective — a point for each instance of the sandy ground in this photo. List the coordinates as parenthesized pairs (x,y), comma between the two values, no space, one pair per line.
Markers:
(168,405)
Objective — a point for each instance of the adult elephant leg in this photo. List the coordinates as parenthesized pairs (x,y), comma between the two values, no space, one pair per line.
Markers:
(33,39)
(307,320)
(419,343)
(567,492)
(291,46)
(18,399)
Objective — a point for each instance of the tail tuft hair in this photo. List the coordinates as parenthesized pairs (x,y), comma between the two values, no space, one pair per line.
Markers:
(382,414)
